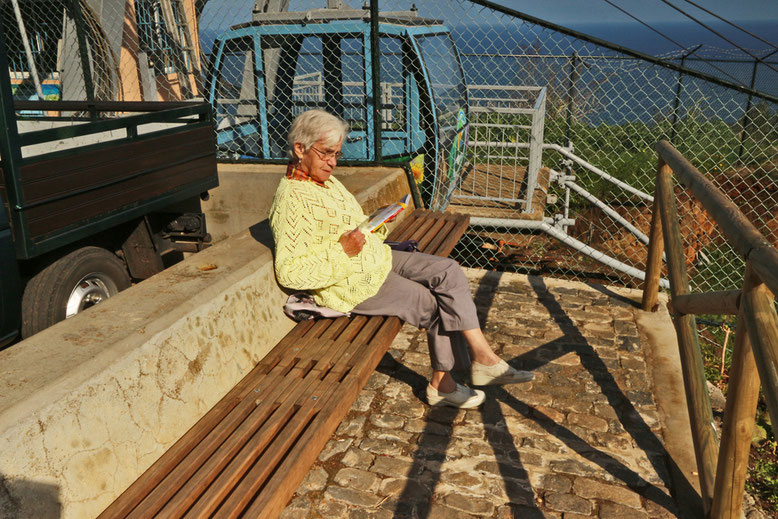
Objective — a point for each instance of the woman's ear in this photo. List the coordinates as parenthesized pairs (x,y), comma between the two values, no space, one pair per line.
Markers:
(299,150)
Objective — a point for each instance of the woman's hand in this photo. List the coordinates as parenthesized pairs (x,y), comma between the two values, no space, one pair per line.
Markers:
(352,242)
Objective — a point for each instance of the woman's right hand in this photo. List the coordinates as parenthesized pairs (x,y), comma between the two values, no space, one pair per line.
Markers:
(352,242)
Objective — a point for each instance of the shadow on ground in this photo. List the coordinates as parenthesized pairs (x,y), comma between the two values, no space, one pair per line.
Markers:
(431,448)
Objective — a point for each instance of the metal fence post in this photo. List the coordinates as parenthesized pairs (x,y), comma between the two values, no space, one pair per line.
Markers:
(573,75)
(746,115)
(375,52)
(677,101)
(78,21)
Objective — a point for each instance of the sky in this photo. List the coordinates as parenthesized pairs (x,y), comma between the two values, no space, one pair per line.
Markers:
(580,11)
(596,11)
(600,19)
(758,16)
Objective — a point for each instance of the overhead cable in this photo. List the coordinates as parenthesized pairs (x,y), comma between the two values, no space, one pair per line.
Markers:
(681,46)
(757,58)
(736,26)
(738,87)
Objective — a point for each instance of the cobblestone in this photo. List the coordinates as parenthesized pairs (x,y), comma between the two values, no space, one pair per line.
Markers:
(381,447)
(357,479)
(593,489)
(335,447)
(393,435)
(357,459)
(588,421)
(363,401)
(315,480)
(617,511)
(466,504)
(565,446)
(352,497)
(351,426)
(568,503)
(444,512)
(392,466)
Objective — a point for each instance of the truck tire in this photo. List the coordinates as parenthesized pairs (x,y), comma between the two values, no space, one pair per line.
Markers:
(70,285)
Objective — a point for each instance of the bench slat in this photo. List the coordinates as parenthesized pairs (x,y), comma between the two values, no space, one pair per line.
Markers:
(437,226)
(273,430)
(277,492)
(266,466)
(128,500)
(448,243)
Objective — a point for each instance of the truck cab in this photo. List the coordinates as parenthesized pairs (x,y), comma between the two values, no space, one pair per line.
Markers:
(266,72)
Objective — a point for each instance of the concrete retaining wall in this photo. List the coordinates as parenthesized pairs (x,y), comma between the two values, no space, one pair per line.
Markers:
(246,191)
(89,404)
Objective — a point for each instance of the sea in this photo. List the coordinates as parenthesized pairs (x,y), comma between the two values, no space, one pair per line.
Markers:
(613,87)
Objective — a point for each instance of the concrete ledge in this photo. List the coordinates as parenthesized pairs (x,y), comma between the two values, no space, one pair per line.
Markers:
(246,191)
(89,404)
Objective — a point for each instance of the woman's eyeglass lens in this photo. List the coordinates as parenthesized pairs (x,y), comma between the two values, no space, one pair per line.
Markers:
(327,155)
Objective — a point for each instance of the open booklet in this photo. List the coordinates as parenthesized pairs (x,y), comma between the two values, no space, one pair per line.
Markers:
(380,217)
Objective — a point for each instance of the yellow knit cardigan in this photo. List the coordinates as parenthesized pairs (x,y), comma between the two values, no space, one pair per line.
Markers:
(307,220)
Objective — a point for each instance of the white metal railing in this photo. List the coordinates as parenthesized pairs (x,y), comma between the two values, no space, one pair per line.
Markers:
(506,130)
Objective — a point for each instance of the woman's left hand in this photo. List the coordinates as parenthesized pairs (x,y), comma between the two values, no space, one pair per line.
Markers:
(352,242)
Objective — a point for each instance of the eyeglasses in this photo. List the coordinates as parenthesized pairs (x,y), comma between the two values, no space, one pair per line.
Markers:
(327,155)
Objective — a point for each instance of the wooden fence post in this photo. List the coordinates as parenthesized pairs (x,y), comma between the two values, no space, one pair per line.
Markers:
(697,399)
(742,396)
(655,248)
(762,323)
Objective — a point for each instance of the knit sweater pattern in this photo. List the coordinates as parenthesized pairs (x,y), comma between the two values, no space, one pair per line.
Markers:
(307,220)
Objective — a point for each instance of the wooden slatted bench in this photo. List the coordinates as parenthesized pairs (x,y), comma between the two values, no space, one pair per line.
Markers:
(249,453)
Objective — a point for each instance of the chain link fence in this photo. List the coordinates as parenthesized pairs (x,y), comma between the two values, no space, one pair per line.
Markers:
(106,50)
(545,138)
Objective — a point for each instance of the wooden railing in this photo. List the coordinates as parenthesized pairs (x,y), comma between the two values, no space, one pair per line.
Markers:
(721,467)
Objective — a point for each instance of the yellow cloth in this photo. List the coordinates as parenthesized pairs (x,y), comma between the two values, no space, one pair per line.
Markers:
(307,220)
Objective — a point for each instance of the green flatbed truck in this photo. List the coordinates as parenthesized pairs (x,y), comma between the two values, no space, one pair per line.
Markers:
(95,196)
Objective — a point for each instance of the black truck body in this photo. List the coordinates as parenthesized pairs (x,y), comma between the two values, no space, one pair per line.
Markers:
(95,195)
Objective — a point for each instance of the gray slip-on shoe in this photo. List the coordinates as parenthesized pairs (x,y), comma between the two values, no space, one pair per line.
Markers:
(500,373)
(462,397)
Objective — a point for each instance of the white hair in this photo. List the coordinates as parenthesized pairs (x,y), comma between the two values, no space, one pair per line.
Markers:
(313,126)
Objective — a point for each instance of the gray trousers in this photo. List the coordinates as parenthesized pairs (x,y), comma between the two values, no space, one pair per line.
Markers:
(428,292)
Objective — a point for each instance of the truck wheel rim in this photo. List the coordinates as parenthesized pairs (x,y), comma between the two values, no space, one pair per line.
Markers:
(92,289)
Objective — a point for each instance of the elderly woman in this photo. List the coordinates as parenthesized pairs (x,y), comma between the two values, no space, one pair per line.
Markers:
(320,250)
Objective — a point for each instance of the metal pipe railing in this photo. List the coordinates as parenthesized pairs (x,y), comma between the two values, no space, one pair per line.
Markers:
(597,171)
(565,238)
(722,470)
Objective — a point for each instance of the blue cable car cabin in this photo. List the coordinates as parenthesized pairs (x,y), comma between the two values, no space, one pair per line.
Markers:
(266,72)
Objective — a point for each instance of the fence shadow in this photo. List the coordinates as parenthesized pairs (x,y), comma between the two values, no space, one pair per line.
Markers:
(432,445)
(628,416)
(415,498)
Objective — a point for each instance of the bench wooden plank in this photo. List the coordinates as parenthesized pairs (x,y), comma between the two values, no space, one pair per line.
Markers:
(173,456)
(401,229)
(436,227)
(277,492)
(249,453)
(237,456)
(448,243)
(266,466)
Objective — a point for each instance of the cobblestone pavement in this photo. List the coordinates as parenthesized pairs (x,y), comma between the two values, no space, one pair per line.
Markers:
(582,440)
